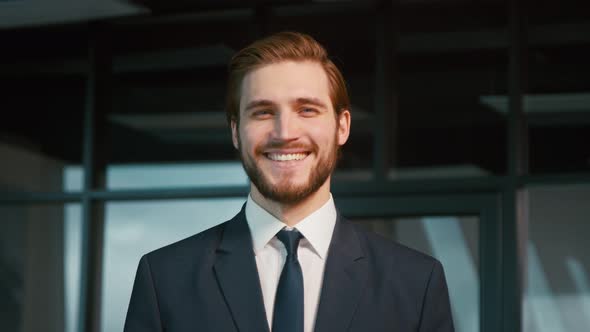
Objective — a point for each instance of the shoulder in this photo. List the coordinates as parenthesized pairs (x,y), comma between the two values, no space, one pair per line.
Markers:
(405,271)
(409,278)
(193,251)
(198,244)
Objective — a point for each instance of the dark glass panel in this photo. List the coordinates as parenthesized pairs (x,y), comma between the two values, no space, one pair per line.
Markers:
(41,135)
(452,67)
(168,92)
(557,105)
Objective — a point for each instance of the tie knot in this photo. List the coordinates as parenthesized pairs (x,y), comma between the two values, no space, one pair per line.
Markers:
(291,240)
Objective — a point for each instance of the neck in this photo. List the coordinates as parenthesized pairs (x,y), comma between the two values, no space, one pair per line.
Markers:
(292,213)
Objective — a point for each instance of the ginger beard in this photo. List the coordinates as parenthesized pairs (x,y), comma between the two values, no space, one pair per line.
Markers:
(285,191)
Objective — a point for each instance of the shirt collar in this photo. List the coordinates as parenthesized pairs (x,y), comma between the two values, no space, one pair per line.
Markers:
(317,227)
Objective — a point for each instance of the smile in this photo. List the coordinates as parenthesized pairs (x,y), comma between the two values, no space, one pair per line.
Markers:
(286,156)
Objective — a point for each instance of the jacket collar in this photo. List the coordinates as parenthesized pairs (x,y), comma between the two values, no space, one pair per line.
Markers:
(345,277)
(237,275)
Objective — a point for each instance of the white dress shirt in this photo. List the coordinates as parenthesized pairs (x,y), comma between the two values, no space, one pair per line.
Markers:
(317,229)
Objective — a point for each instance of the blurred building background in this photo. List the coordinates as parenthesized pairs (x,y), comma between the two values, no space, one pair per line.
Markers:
(470,142)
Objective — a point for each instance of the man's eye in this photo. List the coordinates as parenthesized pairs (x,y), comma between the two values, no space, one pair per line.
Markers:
(308,111)
(262,113)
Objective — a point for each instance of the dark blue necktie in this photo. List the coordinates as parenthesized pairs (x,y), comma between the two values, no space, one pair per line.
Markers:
(288,310)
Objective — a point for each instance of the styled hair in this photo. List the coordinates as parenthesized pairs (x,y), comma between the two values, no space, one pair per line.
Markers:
(282,46)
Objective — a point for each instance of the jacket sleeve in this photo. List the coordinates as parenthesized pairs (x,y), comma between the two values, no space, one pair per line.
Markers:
(143,313)
(436,309)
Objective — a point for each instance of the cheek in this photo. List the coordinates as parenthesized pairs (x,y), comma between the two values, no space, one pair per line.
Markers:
(249,139)
(324,135)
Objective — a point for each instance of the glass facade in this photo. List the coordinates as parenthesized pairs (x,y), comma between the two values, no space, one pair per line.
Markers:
(451,70)
(142,176)
(40,259)
(557,97)
(135,106)
(557,108)
(557,291)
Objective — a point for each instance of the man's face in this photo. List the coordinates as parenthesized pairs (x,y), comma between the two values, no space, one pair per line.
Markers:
(288,135)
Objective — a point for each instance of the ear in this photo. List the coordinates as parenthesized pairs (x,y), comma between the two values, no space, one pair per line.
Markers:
(343,127)
(234,133)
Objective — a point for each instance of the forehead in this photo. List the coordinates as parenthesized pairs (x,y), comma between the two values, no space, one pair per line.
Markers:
(285,81)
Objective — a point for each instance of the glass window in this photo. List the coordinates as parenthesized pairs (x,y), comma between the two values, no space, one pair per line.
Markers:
(168,100)
(557,108)
(170,116)
(453,68)
(558,95)
(454,241)
(557,276)
(136,228)
(176,175)
(44,134)
(544,13)
(40,249)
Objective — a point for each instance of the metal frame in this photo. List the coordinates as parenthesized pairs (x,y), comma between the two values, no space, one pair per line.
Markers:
(513,221)
(98,101)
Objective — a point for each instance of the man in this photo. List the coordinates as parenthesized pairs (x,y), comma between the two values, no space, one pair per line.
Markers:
(288,261)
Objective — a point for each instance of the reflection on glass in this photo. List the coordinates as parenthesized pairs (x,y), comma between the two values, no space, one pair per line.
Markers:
(73,178)
(453,241)
(176,175)
(72,265)
(136,228)
(39,270)
(557,291)
(144,176)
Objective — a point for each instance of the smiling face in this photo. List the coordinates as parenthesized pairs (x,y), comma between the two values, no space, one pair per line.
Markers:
(288,134)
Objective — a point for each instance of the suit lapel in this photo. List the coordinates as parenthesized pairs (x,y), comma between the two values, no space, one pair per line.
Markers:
(237,275)
(344,280)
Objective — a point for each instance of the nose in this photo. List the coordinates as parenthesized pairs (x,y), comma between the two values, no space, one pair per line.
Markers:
(286,127)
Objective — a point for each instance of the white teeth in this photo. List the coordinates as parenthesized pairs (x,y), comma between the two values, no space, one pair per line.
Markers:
(286,157)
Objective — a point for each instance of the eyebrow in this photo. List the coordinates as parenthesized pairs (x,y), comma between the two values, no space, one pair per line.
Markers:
(310,101)
(298,101)
(258,103)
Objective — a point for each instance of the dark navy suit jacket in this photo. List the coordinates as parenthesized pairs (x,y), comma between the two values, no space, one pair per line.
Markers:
(209,282)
